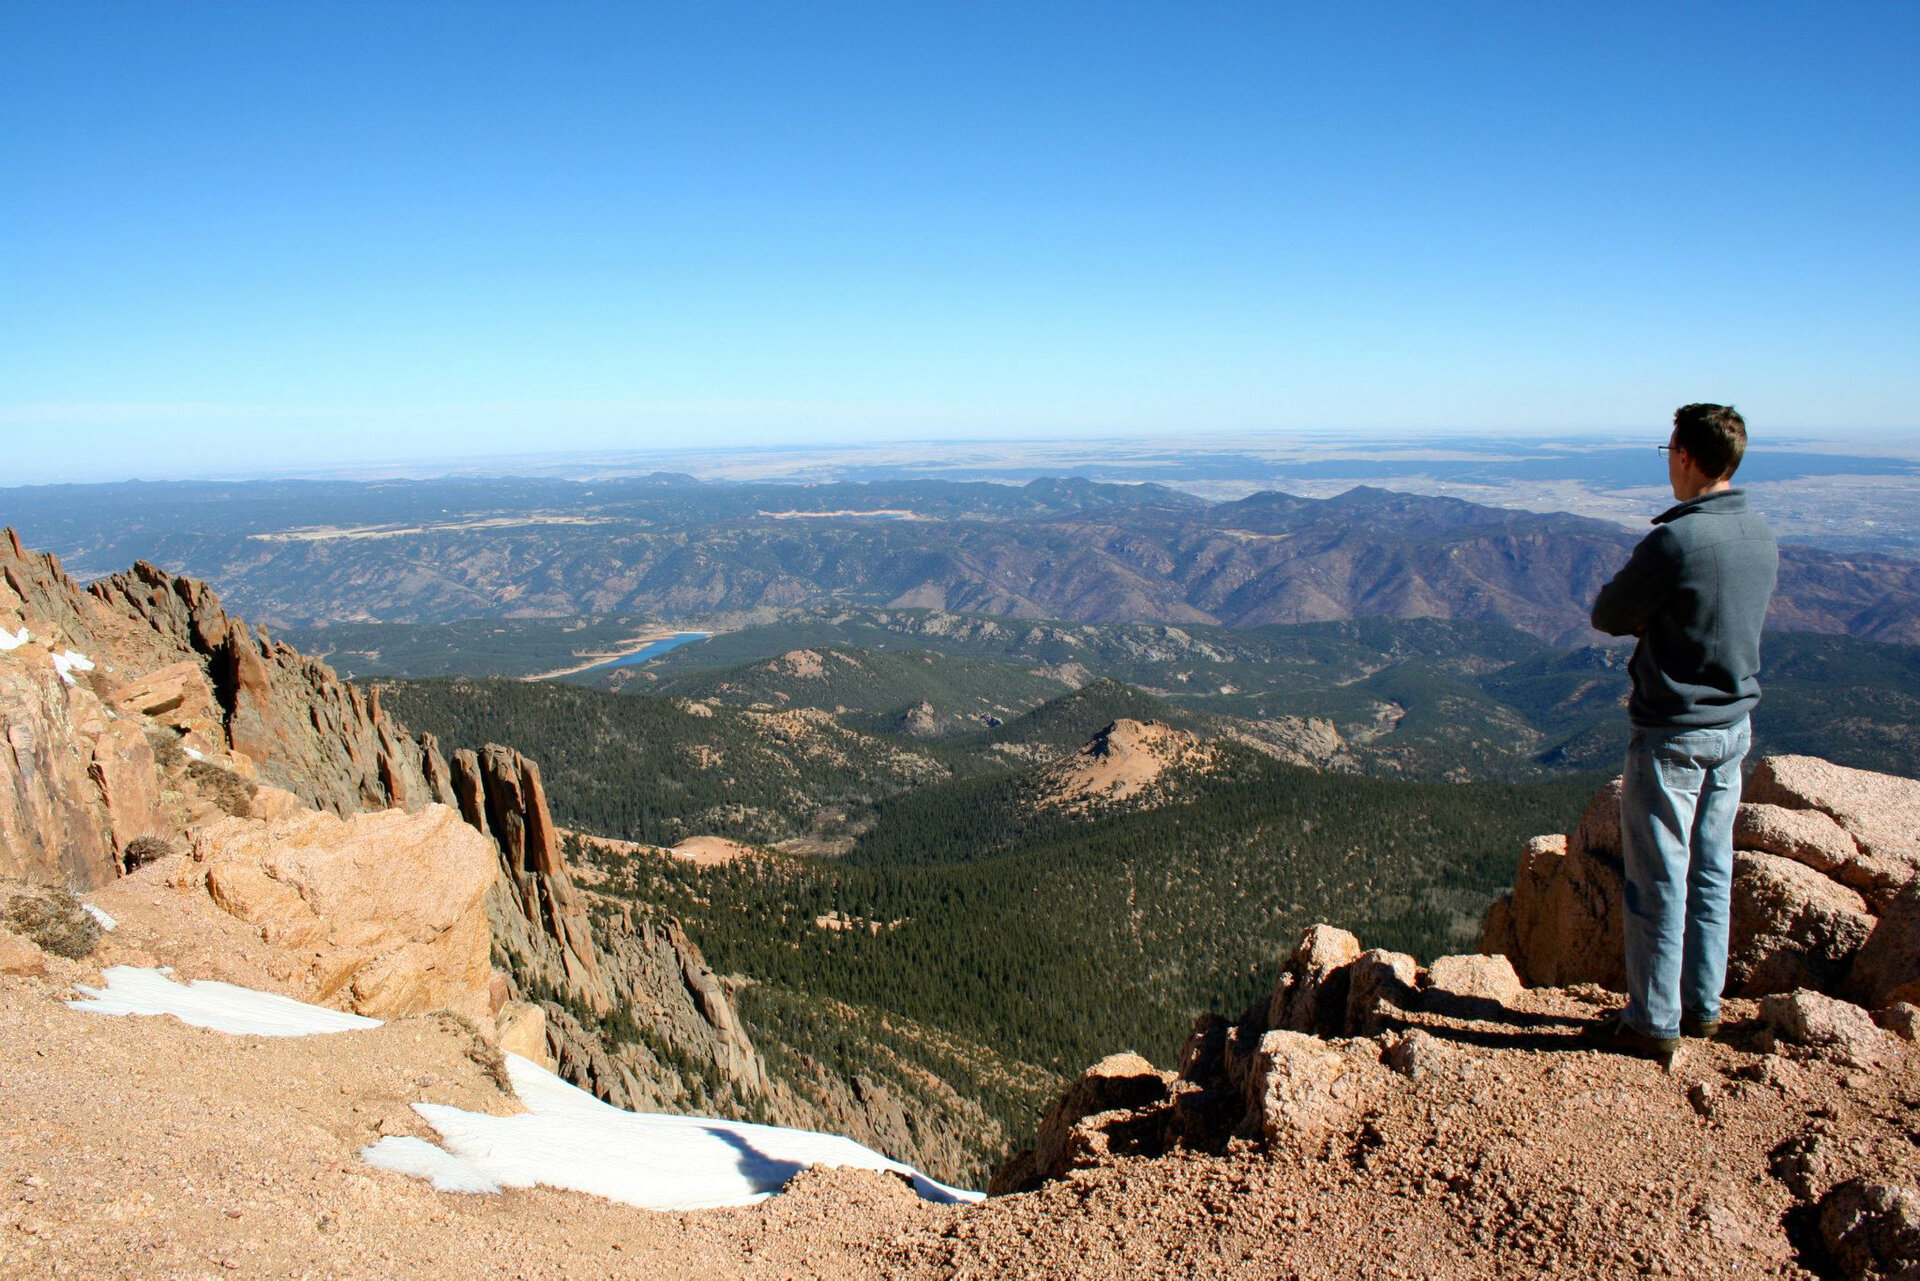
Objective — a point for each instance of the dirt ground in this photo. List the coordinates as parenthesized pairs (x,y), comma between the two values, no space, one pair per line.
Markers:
(140,1147)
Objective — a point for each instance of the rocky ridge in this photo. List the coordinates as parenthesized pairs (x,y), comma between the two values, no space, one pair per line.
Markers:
(147,725)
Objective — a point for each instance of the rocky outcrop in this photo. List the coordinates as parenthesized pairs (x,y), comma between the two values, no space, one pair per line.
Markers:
(538,914)
(1082,1127)
(1455,1094)
(1301,1066)
(1561,923)
(633,1012)
(1824,897)
(139,707)
(1126,760)
(1311,995)
(1888,967)
(80,783)
(1880,814)
(1793,927)
(93,682)
(386,910)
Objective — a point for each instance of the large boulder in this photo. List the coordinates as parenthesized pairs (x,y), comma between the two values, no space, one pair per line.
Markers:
(81,782)
(1821,850)
(1311,993)
(1080,1128)
(1828,1028)
(1872,1229)
(1467,985)
(1888,967)
(1563,923)
(1880,812)
(1303,1089)
(1792,927)
(386,911)
(19,955)
(1598,833)
(1806,836)
(1382,985)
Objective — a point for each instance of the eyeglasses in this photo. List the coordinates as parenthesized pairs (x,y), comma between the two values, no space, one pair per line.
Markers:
(1664,449)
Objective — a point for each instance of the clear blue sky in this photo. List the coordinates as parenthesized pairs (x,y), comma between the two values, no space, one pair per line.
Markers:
(245,236)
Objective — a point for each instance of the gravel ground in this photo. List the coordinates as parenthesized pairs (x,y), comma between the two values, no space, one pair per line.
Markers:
(140,1147)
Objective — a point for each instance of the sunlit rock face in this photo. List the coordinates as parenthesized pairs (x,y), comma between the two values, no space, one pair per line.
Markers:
(1826,861)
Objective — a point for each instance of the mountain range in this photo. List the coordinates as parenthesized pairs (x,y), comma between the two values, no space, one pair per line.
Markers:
(312,552)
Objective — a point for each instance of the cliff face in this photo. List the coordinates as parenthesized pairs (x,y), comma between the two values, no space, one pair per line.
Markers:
(102,677)
(139,708)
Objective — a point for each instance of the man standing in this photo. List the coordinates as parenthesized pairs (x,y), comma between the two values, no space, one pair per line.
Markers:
(1695,592)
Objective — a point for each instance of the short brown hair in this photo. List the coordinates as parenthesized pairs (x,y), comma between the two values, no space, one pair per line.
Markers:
(1714,436)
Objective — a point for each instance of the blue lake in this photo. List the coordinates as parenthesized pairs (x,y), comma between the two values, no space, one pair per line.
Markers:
(647,653)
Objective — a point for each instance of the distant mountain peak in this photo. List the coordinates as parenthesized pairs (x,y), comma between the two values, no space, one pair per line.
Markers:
(1123,761)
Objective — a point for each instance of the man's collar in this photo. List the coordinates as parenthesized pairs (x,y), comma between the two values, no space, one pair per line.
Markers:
(1722,502)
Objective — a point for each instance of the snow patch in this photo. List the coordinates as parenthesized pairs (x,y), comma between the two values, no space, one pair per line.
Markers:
(569,1139)
(194,755)
(223,1007)
(106,922)
(566,1138)
(69,661)
(422,1160)
(13,640)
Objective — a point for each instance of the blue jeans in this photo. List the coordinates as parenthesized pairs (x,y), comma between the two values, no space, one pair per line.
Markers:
(1677,802)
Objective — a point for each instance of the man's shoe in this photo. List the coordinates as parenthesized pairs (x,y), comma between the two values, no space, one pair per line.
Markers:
(1700,1029)
(1612,1033)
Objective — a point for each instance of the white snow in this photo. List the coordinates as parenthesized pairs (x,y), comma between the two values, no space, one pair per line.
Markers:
(565,1139)
(422,1160)
(569,1139)
(106,922)
(13,640)
(69,661)
(222,1007)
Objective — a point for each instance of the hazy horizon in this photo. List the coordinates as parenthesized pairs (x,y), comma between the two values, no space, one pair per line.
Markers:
(344,236)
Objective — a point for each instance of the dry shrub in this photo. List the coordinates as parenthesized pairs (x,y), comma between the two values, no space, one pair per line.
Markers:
(490,1059)
(142,850)
(223,787)
(54,920)
(167,752)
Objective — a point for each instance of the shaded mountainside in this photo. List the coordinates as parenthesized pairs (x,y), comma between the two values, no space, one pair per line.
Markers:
(438,550)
